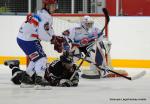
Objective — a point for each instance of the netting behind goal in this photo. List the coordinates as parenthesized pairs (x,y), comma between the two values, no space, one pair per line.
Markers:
(61,22)
(65,21)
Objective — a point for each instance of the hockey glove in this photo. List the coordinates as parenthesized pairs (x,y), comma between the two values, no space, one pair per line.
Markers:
(65,83)
(58,43)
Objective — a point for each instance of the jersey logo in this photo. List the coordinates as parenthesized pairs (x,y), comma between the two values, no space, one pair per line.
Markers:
(34,55)
(84,41)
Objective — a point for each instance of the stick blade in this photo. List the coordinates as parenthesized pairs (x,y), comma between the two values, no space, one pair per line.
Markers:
(141,74)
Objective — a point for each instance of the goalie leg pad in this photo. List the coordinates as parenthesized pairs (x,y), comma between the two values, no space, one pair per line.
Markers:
(106,45)
(90,74)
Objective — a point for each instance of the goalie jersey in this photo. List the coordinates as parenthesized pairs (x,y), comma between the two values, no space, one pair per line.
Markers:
(80,37)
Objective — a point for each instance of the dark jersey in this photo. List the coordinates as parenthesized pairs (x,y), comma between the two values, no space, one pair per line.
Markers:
(56,71)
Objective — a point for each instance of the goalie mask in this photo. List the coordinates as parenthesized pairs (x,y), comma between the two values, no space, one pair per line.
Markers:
(87,22)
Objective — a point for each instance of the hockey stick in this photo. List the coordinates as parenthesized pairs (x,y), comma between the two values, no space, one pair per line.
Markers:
(137,76)
(77,69)
(88,49)
(105,11)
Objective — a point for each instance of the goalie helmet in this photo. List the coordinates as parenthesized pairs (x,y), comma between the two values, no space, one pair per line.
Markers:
(87,22)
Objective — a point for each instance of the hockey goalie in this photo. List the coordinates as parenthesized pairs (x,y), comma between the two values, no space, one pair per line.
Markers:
(89,40)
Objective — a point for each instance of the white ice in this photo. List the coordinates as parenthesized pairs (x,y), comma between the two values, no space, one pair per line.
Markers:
(100,91)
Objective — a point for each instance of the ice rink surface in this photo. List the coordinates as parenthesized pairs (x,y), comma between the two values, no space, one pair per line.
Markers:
(99,91)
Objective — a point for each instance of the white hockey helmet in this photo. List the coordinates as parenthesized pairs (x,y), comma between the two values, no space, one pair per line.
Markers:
(87,22)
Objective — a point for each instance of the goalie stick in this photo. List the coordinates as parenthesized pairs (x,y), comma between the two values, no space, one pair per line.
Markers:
(105,11)
(137,76)
(77,70)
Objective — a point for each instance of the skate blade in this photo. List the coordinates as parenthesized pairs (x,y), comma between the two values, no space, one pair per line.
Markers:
(26,85)
(39,87)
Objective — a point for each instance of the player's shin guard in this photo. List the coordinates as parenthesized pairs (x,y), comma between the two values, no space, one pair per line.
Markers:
(40,67)
(30,68)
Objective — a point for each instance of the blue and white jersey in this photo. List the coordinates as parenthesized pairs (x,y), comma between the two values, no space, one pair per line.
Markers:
(81,37)
(39,27)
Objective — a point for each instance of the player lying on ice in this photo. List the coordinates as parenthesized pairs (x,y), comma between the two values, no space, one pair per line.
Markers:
(84,36)
(58,73)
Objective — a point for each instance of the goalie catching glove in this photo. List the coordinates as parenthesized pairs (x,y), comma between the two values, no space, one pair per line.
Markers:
(58,43)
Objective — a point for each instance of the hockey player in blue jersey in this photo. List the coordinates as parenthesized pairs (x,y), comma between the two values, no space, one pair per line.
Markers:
(38,27)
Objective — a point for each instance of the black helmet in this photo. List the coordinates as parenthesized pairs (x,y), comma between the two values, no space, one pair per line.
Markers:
(66,58)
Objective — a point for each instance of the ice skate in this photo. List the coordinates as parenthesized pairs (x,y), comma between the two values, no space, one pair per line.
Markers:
(26,81)
(12,63)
